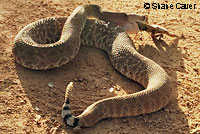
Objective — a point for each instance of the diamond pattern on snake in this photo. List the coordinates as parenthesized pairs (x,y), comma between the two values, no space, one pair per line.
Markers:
(52,42)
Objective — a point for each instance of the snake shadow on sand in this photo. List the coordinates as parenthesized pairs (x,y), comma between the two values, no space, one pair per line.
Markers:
(93,76)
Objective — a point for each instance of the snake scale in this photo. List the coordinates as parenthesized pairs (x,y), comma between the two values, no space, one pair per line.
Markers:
(52,42)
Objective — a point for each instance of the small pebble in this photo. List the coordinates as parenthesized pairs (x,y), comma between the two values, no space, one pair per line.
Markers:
(36,108)
(96,86)
(111,89)
(51,85)
(105,78)
(37,118)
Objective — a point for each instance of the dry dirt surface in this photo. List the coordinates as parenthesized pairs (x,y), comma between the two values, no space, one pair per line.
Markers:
(28,105)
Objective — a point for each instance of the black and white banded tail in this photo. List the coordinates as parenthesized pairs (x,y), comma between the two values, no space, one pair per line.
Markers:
(69,119)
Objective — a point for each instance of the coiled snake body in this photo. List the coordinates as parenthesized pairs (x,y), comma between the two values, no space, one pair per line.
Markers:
(52,42)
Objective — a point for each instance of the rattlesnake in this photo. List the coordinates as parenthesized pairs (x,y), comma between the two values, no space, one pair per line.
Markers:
(52,42)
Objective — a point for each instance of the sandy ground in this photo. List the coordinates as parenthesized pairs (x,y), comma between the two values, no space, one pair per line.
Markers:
(28,105)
